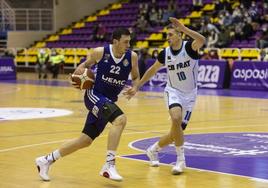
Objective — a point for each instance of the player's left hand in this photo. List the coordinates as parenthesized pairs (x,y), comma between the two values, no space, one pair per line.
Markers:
(176,23)
(129,92)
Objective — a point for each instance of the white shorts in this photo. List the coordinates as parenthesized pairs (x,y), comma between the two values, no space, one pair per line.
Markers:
(186,100)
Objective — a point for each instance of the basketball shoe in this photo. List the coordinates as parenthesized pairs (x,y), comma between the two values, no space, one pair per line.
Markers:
(179,167)
(153,156)
(109,171)
(43,166)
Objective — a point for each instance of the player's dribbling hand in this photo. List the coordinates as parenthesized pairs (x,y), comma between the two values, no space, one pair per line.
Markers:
(176,23)
(74,84)
(129,92)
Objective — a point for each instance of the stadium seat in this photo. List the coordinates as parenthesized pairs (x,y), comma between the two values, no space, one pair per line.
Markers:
(229,53)
(250,54)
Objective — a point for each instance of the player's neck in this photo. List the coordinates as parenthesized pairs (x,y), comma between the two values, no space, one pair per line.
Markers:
(177,46)
(116,52)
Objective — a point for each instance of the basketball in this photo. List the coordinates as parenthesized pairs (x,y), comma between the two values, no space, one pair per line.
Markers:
(84,80)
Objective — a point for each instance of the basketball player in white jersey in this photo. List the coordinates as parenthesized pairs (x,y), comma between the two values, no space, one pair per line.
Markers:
(181,61)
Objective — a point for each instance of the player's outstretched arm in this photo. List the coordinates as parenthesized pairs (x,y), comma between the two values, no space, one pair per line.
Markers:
(199,40)
(150,73)
(130,92)
(135,76)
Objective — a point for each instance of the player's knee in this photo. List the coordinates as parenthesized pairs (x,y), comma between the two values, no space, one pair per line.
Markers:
(120,121)
(84,141)
(176,120)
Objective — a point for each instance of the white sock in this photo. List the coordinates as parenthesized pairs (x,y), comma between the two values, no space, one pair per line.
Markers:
(110,157)
(155,147)
(180,153)
(52,157)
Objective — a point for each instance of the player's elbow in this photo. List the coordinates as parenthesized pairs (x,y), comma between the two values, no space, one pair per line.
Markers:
(202,41)
(199,43)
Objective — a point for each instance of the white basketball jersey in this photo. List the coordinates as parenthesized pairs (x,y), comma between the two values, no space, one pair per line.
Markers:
(182,70)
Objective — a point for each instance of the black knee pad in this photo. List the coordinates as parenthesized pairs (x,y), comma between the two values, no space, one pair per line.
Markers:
(93,130)
(110,112)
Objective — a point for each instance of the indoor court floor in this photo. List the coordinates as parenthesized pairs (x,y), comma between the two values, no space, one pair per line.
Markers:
(226,141)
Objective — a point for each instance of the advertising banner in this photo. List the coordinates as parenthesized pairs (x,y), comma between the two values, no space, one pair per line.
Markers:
(211,74)
(7,69)
(250,75)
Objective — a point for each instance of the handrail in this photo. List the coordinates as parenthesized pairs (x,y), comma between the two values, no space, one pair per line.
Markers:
(21,19)
(8,16)
(76,54)
(34,19)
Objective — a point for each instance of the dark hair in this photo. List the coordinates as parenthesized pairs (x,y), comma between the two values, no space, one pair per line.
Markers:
(117,33)
(170,26)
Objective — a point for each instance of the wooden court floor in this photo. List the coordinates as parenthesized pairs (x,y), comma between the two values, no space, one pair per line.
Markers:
(21,141)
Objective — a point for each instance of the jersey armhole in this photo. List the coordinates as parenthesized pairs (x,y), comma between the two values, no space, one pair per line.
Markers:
(162,56)
(193,54)
(101,56)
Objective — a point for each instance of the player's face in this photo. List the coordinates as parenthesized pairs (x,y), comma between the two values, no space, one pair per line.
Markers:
(173,37)
(123,43)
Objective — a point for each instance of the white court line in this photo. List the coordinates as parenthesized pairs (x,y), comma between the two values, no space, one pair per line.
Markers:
(207,128)
(197,169)
(12,90)
(130,145)
(139,132)
(200,128)
(57,141)
(31,145)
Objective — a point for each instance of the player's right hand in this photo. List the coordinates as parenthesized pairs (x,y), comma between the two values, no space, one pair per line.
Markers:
(74,84)
(129,92)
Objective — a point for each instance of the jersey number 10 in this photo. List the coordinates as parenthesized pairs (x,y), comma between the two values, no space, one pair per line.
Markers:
(181,76)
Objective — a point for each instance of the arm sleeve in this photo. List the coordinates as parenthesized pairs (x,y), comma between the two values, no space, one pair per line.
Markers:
(161,57)
(193,54)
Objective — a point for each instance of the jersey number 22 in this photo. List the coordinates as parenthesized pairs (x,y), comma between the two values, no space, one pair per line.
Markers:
(115,69)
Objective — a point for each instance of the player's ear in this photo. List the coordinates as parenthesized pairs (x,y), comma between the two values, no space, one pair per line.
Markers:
(115,41)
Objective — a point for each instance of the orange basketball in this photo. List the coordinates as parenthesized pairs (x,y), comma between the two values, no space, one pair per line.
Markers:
(85,80)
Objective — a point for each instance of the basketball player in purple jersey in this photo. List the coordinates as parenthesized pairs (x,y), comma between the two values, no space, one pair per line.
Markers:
(114,64)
